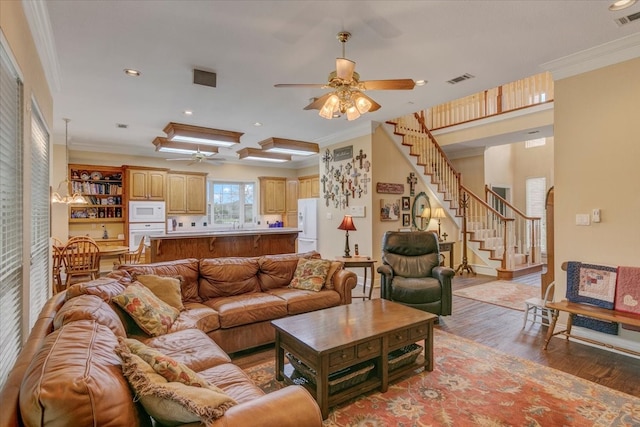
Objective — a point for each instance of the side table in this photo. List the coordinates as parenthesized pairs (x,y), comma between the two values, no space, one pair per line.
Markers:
(447,247)
(366,263)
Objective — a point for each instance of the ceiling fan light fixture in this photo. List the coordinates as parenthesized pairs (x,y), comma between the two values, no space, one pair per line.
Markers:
(166,146)
(352,113)
(362,104)
(177,132)
(289,146)
(330,105)
(255,154)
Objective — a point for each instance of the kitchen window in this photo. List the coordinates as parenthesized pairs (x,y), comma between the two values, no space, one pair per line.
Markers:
(230,204)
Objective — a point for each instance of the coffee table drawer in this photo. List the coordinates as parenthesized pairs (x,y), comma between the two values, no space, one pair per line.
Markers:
(400,338)
(342,356)
(369,348)
(418,332)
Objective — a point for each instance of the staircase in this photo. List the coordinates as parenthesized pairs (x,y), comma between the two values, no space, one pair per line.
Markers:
(505,239)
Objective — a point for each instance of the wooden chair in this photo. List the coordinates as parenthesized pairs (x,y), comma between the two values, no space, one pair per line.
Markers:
(132,257)
(81,257)
(57,265)
(535,308)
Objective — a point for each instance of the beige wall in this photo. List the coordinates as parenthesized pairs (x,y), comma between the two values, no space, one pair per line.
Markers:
(499,167)
(597,151)
(528,163)
(472,169)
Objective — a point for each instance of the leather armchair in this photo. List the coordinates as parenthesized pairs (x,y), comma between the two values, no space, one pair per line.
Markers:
(411,273)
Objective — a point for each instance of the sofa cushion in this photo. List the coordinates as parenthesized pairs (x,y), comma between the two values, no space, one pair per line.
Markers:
(170,369)
(164,287)
(301,301)
(152,314)
(173,403)
(248,308)
(310,274)
(276,271)
(105,288)
(191,347)
(234,382)
(223,277)
(187,268)
(196,315)
(76,375)
(412,266)
(89,307)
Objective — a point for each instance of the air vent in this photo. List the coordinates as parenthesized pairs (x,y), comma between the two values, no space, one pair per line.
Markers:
(204,78)
(627,19)
(121,126)
(459,79)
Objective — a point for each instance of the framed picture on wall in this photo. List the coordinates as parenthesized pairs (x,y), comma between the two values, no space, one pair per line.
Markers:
(406,203)
(406,220)
(389,209)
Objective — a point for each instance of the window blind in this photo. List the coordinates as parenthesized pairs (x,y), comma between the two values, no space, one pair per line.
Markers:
(40,259)
(11,303)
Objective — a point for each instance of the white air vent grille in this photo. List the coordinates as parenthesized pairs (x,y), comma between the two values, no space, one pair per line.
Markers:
(459,79)
(627,19)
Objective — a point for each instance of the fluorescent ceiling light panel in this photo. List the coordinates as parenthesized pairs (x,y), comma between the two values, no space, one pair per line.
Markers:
(177,132)
(289,146)
(255,154)
(166,146)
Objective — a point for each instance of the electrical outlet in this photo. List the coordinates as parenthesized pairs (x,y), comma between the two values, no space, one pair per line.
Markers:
(193,224)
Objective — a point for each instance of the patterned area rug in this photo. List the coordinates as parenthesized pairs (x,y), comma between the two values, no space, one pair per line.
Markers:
(500,292)
(474,385)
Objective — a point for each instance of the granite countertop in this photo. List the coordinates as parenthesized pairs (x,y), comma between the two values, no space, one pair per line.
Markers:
(224,233)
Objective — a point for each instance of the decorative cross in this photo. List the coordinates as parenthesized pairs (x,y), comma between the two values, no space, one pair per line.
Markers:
(347,193)
(336,190)
(327,159)
(353,163)
(342,181)
(412,181)
(367,165)
(355,174)
(336,174)
(327,196)
(353,192)
(364,182)
(350,186)
(361,157)
(360,191)
(347,168)
(324,183)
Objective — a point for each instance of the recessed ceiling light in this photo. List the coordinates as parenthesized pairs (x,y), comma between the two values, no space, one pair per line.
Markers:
(421,82)
(621,4)
(131,72)
(257,124)
(187,112)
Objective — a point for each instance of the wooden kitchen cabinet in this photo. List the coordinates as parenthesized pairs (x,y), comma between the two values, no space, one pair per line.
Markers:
(146,184)
(309,186)
(186,193)
(291,216)
(272,195)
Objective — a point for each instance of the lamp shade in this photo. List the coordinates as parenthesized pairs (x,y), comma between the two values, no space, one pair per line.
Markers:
(347,224)
(438,213)
(426,213)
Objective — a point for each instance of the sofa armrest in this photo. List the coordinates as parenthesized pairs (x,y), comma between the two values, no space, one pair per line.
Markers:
(444,275)
(386,276)
(344,281)
(291,406)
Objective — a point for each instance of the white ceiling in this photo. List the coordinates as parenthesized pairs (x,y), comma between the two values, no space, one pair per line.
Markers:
(252,45)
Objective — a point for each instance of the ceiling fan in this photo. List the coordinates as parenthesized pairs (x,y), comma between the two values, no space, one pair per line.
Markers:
(199,157)
(347,95)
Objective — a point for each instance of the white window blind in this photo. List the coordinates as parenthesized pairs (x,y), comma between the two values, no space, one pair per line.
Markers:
(10,215)
(536,189)
(39,269)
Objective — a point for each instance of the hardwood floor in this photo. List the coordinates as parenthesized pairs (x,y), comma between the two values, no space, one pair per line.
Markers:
(501,328)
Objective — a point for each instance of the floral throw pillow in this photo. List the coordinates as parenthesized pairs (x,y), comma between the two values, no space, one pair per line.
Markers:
(310,274)
(153,315)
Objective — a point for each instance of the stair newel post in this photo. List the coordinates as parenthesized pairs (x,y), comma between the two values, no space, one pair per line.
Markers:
(464,204)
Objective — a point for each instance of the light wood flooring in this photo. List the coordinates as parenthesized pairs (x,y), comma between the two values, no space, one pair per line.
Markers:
(501,328)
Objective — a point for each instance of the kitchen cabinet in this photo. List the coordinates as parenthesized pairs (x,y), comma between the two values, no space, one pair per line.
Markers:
(309,186)
(146,184)
(291,216)
(273,195)
(186,193)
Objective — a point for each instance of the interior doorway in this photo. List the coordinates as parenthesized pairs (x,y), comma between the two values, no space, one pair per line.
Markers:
(503,191)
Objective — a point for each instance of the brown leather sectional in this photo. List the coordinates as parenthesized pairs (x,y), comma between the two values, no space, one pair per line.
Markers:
(69,374)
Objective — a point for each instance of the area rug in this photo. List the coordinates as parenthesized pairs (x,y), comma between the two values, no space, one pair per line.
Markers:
(500,292)
(474,385)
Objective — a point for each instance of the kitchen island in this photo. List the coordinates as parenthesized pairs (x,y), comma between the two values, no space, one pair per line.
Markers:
(223,243)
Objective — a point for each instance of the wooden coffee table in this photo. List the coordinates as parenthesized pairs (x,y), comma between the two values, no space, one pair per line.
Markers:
(340,337)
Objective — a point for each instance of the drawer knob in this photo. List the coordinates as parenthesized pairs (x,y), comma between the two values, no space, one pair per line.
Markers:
(344,356)
(398,337)
(369,347)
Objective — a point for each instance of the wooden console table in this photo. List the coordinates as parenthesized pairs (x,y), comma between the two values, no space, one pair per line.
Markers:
(593,312)
(366,263)
(447,247)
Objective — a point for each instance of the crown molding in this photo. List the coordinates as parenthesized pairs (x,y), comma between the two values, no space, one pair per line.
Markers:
(596,57)
(40,25)
(363,128)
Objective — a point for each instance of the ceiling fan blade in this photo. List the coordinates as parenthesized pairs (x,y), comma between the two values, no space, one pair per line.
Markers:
(180,159)
(318,103)
(374,105)
(345,68)
(320,85)
(396,84)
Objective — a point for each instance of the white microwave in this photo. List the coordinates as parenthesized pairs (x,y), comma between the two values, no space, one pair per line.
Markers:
(146,211)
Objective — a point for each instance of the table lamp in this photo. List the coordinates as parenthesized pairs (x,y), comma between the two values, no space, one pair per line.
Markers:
(347,225)
(439,213)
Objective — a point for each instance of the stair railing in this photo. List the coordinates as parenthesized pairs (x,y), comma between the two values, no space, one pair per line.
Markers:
(527,229)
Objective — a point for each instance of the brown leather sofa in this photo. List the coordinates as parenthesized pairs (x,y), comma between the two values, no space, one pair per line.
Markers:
(68,372)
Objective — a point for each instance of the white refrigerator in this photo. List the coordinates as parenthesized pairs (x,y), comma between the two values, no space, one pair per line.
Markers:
(308,225)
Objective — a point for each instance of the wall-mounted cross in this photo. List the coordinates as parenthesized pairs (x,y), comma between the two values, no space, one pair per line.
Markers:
(360,157)
(326,158)
(342,181)
(324,183)
(355,174)
(367,165)
(327,197)
(364,182)
(360,191)
(353,192)
(346,194)
(350,182)
(347,168)
(412,181)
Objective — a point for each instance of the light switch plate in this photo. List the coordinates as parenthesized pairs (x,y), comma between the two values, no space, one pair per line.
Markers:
(582,219)
(357,211)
